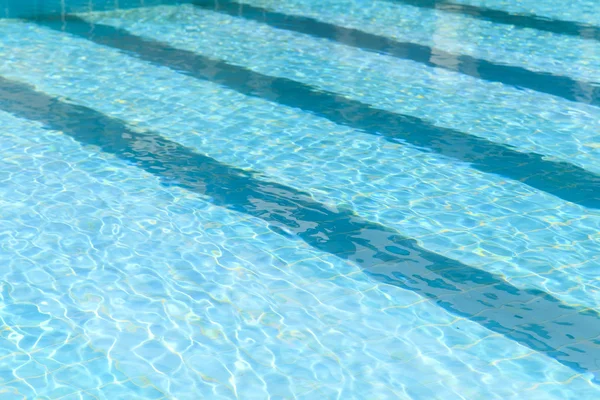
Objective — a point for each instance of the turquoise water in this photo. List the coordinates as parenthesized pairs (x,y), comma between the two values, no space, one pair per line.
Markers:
(301,199)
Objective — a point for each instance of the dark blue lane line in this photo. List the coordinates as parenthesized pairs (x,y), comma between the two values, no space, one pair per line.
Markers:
(529,316)
(519,77)
(561,179)
(55,8)
(518,20)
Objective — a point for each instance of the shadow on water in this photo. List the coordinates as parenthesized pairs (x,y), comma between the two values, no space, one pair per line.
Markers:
(560,179)
(530,317)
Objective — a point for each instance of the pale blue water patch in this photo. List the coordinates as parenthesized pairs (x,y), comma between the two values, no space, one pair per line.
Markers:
(476,218)
(516,20)
(139,290)
(454,33)
(125,218)
(527,120)
(586,11)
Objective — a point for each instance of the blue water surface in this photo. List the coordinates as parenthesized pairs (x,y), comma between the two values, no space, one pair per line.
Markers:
(296,200)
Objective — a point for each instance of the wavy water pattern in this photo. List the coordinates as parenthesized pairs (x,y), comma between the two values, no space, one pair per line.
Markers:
(200,203)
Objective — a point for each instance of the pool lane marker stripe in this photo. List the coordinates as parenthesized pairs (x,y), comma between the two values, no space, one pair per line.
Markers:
(518,20)
(560,86)
(559,178)
(530,317)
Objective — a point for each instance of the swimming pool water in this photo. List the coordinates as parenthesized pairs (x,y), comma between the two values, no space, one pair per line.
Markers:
(262,199)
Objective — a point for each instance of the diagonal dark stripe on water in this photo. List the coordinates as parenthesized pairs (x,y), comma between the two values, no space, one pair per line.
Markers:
(560,179)
(528,316)
(519,77)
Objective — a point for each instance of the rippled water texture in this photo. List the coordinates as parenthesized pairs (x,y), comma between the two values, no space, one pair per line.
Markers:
(351,199)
